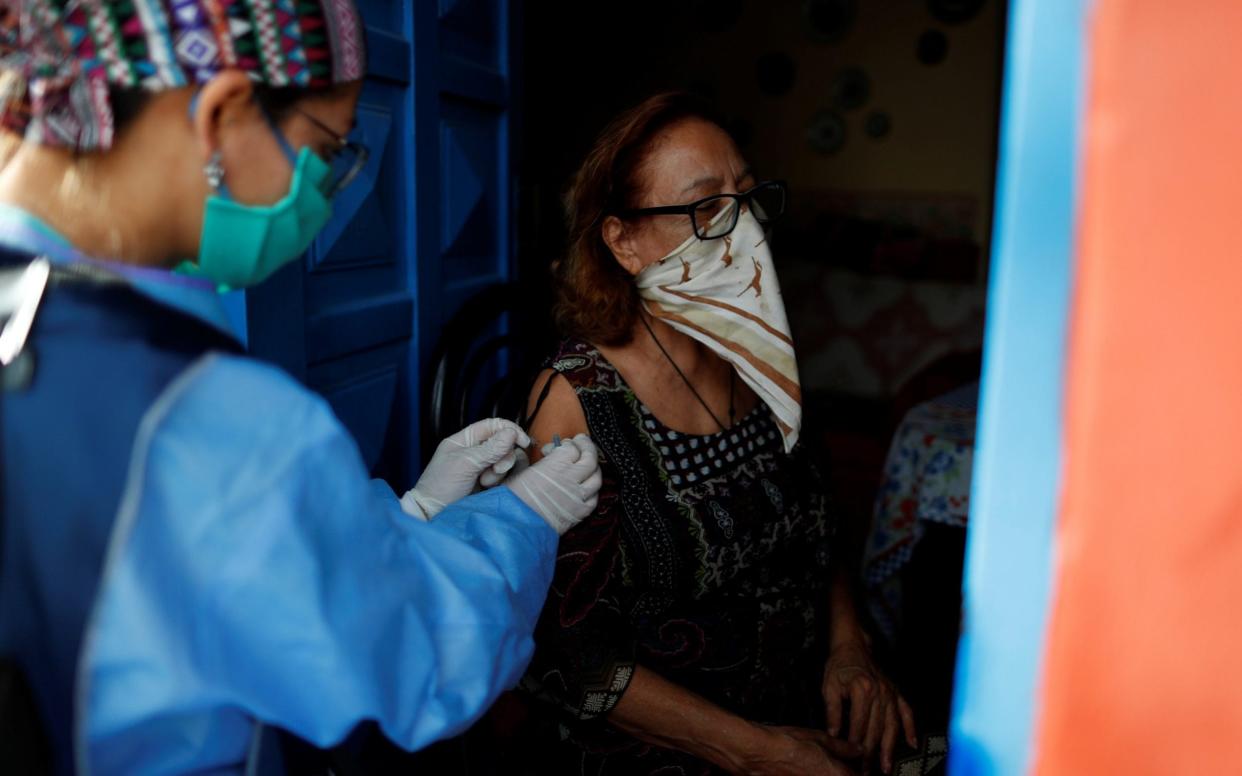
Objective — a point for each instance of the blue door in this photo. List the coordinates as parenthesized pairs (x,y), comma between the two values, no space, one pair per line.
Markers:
(426,225)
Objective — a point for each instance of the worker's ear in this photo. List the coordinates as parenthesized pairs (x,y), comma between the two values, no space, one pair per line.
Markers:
(226,99)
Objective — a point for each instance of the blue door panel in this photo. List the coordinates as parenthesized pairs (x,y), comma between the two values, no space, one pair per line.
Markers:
(472,197)
(471,29)
(362,231)
(342,320)
(426,224)
(463,99)
(276,320)
(383,17)
(352,328)
(358,300)
(363,393)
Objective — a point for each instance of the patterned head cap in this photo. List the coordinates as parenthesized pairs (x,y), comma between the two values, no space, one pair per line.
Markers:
(59,58)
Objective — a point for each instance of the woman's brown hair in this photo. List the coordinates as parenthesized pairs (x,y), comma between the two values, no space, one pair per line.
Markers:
(596,299)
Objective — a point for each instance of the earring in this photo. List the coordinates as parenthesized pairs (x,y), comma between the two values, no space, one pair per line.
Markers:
(214,170)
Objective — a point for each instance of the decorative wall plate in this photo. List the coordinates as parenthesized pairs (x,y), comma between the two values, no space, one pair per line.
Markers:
(829,21)
(775,72)
(826,132)
(878,125)
(933,47)
(715,15)
(850,89)
(954,11)
(742,132)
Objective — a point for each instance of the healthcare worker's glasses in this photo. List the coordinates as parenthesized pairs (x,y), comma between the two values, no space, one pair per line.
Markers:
(347,161)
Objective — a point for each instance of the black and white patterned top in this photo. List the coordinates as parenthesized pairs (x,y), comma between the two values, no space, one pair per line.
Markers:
(707,561)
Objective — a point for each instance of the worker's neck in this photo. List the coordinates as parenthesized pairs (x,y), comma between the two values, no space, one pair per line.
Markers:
(101,204)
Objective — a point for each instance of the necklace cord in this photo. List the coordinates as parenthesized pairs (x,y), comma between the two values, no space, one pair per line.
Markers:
(686,380)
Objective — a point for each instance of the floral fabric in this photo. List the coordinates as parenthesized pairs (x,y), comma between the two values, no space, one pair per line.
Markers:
(926,479)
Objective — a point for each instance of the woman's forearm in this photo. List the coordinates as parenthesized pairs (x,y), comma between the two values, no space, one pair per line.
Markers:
(657,711)
(844,625)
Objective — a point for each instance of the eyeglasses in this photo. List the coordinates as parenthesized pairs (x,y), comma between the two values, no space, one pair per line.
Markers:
(716,216)
(347,161)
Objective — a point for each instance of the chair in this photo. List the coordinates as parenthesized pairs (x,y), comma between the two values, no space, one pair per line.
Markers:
(488,356)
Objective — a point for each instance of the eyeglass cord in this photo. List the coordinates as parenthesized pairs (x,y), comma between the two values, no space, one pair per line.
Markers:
(686,380)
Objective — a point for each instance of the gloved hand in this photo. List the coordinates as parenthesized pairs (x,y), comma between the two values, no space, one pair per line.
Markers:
(454,471)
(563,487)
(509,466)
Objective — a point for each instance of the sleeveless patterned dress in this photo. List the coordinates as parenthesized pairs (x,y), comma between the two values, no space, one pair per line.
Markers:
(707,561)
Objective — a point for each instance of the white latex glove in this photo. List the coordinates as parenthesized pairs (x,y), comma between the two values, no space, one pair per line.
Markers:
(563,487)
(459,461)
(509,466)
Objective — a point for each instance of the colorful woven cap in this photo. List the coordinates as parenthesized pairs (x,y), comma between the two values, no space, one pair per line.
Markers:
(59,59)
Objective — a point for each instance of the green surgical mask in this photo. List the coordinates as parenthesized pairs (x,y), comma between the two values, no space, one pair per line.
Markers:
(242,245)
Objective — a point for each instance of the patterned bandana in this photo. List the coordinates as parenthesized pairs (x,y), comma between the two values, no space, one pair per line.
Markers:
(724,293)
(58,58)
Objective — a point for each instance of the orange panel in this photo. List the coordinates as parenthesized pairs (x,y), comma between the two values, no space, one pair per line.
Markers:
(1143,671)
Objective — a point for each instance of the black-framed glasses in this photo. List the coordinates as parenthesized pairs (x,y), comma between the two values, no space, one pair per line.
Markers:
(348,158)
(716,216)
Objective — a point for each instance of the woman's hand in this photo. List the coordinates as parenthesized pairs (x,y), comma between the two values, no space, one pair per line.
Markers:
(878,714)
(793,751)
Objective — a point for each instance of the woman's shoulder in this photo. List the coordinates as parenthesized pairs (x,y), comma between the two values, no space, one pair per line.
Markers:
(577,373)
(583,366)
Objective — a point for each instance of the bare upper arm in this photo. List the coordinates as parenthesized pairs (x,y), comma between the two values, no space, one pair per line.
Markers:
(560,414)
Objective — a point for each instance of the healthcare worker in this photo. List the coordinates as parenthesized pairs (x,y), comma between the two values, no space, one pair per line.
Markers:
(192,549)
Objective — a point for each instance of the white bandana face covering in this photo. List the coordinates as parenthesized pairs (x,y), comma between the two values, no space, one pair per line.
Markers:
(724,293)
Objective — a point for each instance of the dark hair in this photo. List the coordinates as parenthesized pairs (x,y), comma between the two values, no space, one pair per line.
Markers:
(595,297)
(129,103)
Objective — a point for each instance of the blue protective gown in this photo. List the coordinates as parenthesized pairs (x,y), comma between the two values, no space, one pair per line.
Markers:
(254,574)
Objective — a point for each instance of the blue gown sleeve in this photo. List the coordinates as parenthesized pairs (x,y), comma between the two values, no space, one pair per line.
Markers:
(256,573)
